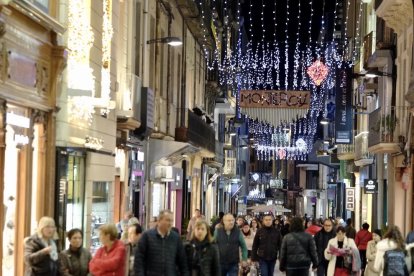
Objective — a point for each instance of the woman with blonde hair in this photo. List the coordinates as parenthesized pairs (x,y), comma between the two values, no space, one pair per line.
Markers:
(372,252)
(40,250)
(202,253)
(110,258)
(393,240)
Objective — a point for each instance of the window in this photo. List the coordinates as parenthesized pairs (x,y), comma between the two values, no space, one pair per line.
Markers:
(101,211)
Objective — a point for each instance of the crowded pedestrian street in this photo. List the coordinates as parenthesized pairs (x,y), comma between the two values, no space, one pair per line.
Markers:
(207,138)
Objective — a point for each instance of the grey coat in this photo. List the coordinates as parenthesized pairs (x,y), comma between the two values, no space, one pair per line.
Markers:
(73,264)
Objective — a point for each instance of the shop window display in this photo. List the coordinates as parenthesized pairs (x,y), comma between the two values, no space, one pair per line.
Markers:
(100,215)
(17,138)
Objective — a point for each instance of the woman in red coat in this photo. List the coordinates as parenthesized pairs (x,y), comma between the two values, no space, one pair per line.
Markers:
(110,258)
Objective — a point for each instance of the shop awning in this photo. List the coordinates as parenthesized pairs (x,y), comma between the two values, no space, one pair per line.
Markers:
(168,153)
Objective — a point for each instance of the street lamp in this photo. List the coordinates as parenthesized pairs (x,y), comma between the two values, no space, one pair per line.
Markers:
(324,121)
(373,73)
(170,40)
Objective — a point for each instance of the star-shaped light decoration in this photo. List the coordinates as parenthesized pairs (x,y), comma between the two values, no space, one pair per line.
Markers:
(318,72)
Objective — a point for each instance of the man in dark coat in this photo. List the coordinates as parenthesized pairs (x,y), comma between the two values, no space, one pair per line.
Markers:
(160,250)
(229,239)
(298,251)
(266,244)
(350,231)
(321,240)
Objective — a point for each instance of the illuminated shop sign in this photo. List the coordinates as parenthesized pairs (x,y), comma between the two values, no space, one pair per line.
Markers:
(274,99)
(93,143)
(370,186)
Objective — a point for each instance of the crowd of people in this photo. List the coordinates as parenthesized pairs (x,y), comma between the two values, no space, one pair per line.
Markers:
(230,246)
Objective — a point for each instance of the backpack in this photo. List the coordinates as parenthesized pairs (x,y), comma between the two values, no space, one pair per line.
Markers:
(394,263)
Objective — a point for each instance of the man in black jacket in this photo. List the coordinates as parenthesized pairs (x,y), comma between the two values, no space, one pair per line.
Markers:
(298,251)
(266,244)
(321,240)
(160,250)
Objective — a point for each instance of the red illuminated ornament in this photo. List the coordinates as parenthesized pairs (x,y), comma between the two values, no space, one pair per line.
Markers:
(318,72)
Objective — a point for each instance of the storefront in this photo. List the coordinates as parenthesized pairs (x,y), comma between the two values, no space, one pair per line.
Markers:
(31,63)
(85,193)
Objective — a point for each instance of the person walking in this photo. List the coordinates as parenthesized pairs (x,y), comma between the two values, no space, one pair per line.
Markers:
(298,250)
(75,260)
(266,245)
(202,253)
(110,258)
(393,241)
(123,223)
(134,234)
(191,223)
(40,250)
(340,252)
(229,239)
(321,241)
(160,250)
(248,237)
(314,228)
(361,240)
(255,225)
(350,230)
(372,252)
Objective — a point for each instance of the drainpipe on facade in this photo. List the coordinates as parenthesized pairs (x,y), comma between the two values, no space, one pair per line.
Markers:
(145,219)
(183,76)
(168,75)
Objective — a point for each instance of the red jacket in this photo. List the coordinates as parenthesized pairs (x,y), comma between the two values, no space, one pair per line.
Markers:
(109,263)
(362,238)
(313,229)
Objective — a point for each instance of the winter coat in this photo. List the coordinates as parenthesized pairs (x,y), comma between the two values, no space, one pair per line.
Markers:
(229,245)
(203,257)
(371,252)
(38,263)
(158,255)
(382,247)
(130,259)
(350,232)
(321,241)
(348,243)
(410,254)
(298,251)
(75,263)
(249,240)
(266,244)
(111,262)
(362,238)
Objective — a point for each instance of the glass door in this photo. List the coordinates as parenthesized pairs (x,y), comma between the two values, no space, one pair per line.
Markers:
(71,187)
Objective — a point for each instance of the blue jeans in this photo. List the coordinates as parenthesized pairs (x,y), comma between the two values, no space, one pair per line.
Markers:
(267,267)
(229,269)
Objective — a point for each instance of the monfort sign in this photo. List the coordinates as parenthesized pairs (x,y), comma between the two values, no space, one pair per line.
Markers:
(274,99)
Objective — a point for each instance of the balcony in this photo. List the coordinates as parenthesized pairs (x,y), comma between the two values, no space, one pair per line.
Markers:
(197,132)
(362,156)
(384,129)
(346,151)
